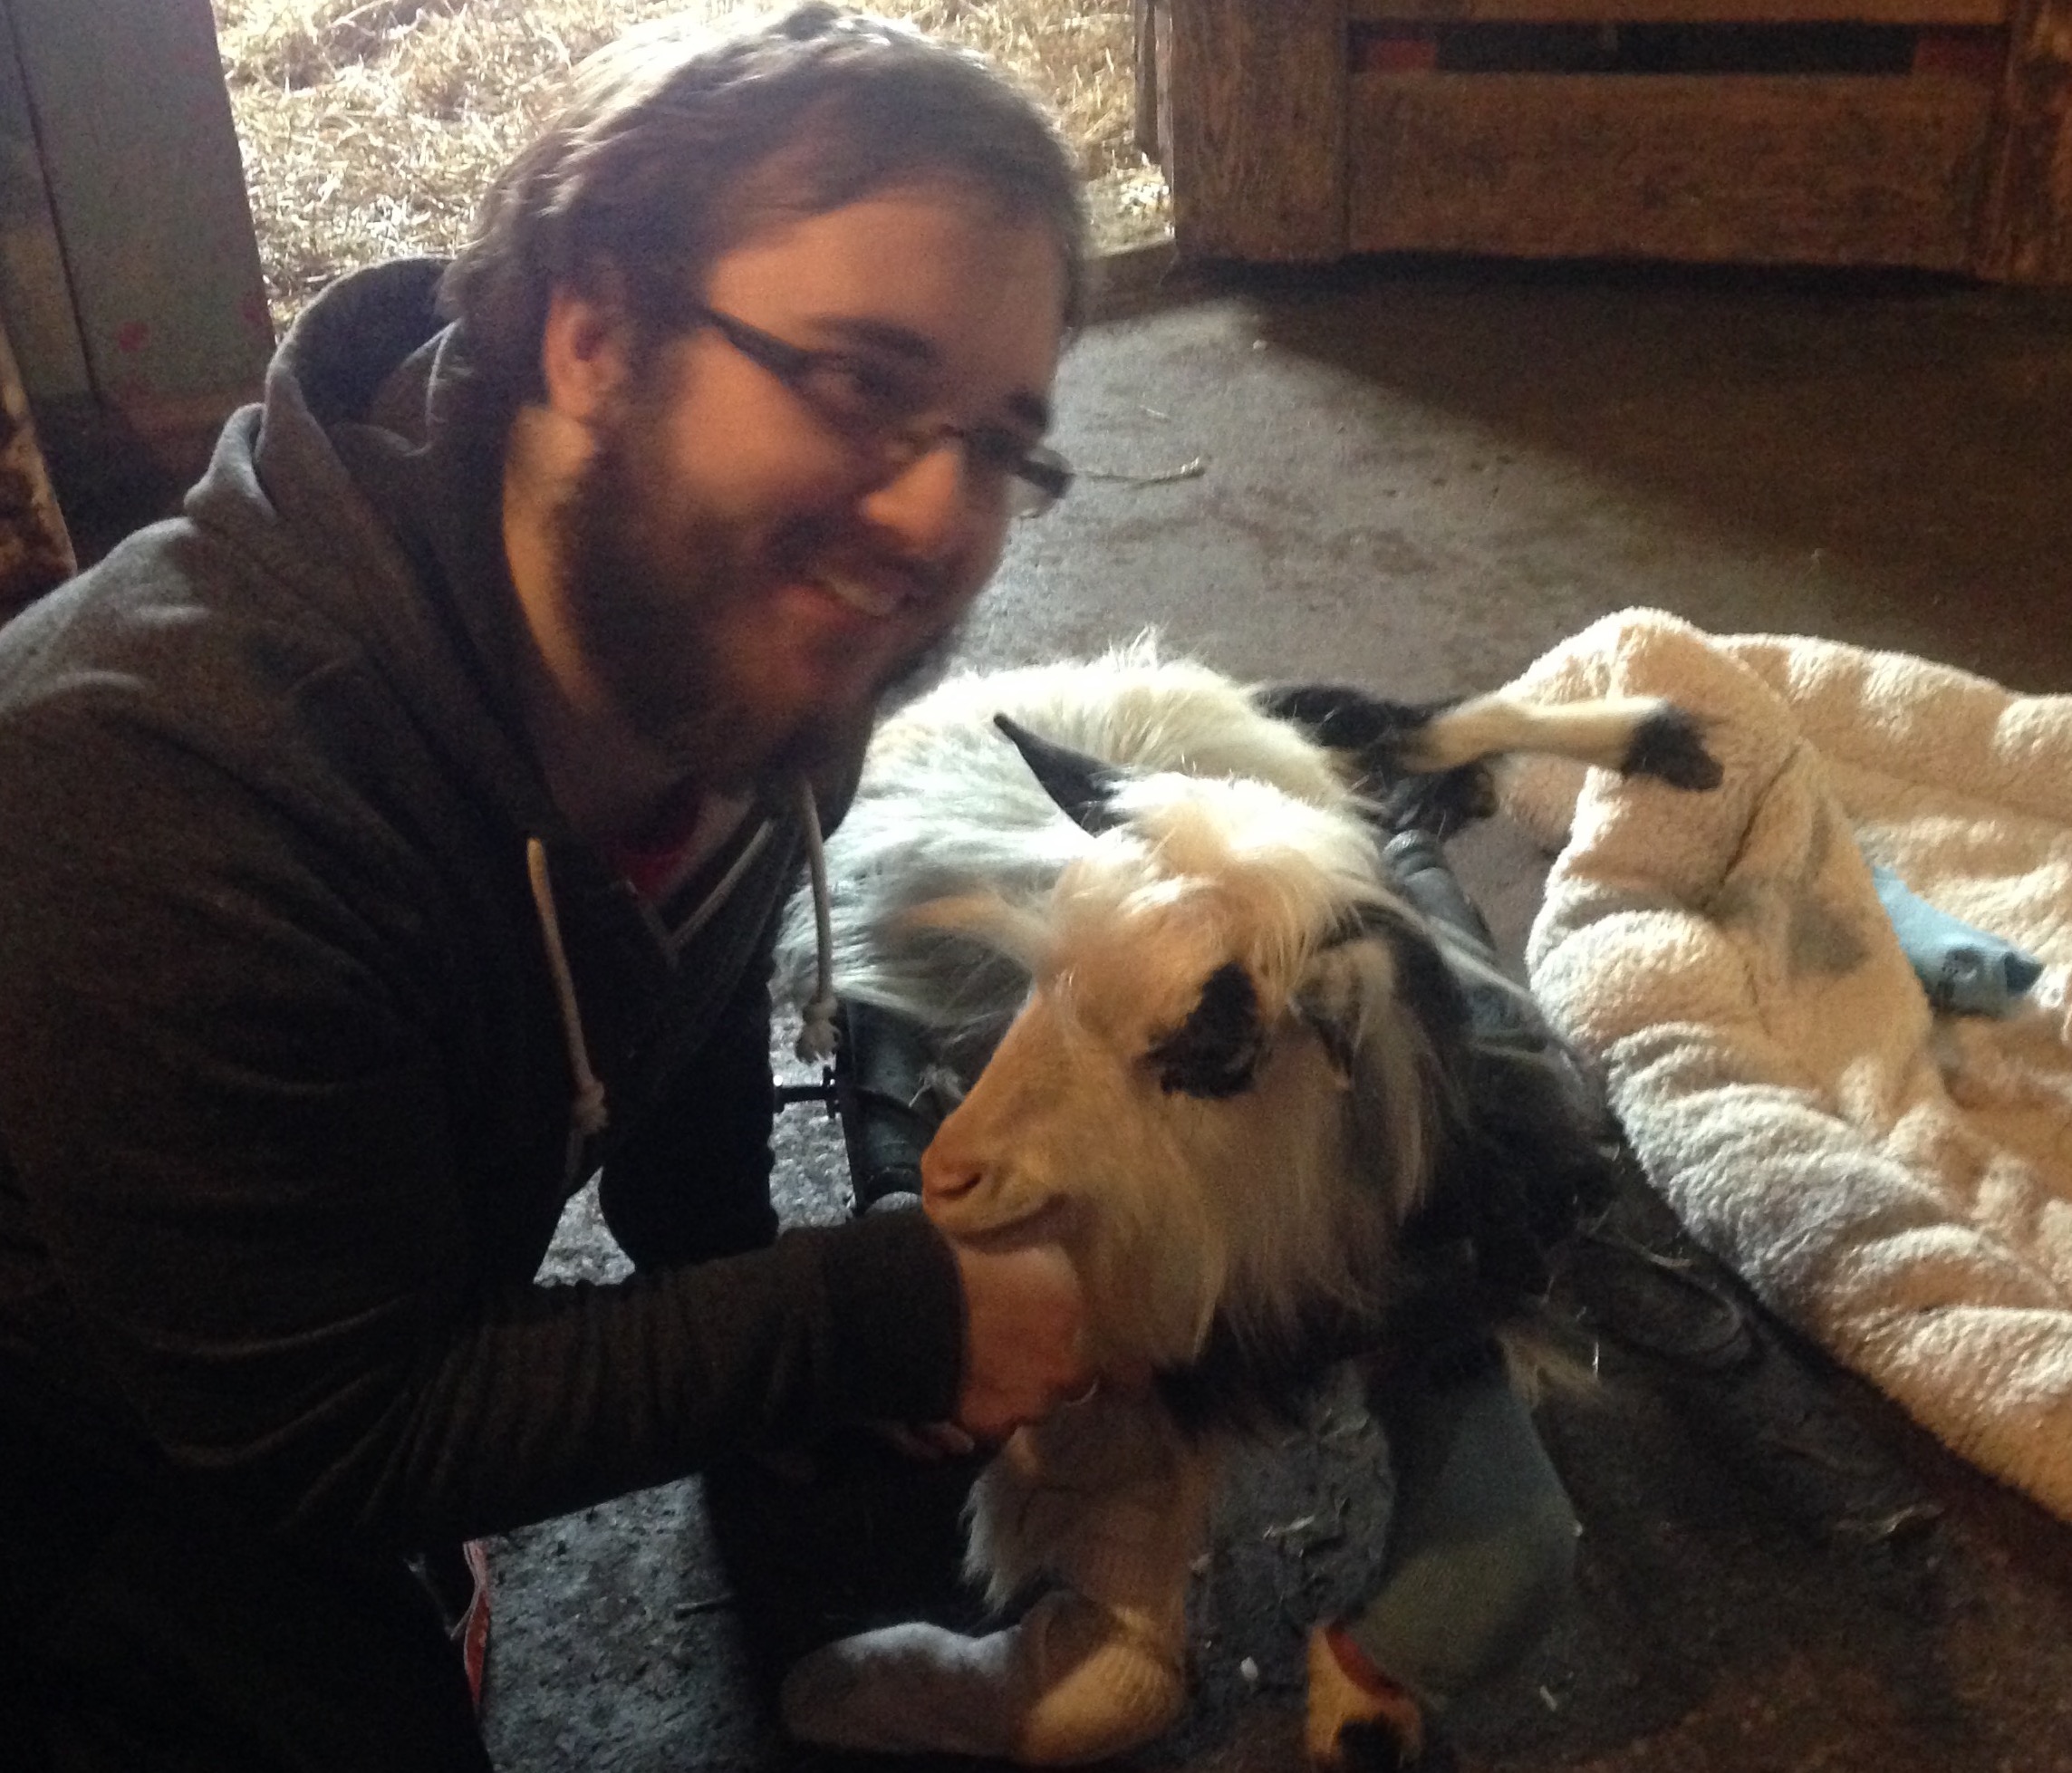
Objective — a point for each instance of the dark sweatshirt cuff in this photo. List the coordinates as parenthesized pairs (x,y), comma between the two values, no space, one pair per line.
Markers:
(898,1310)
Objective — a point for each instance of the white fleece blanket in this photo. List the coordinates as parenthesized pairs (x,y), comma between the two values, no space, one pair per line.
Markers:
(1896,1183)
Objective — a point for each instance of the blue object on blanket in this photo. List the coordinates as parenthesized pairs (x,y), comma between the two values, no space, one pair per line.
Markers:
(1962,968)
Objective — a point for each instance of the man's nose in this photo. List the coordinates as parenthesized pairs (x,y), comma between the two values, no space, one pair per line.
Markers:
(924,509)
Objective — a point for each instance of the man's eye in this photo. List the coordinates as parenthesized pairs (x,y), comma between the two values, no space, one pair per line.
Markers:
(864,391)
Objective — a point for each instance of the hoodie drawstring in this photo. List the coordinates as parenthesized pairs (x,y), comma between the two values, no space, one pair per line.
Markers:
(587,1113)
(816,1037)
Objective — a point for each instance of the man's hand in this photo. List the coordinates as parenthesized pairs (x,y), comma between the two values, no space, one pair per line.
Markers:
(1022,1357)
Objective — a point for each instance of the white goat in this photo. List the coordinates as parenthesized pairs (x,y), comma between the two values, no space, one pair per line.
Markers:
(1207,1045)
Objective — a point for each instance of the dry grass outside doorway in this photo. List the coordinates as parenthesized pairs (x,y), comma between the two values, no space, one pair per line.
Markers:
(369,128)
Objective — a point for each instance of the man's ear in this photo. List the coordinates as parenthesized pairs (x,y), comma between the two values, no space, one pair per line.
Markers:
(582,353)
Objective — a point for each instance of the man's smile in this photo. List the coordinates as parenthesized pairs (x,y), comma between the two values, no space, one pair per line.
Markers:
(879,598)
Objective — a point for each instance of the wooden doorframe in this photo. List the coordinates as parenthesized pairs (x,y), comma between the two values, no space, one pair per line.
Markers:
(2025,209)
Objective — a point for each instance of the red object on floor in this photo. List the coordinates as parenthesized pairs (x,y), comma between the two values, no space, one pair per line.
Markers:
(472,1632)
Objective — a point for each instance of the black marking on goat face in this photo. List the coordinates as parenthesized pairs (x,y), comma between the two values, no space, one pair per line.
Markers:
(1082,785)
(1215,1053)
(1669,744)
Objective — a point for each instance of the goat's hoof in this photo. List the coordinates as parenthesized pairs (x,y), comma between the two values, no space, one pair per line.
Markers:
(1441,804)
(1102,1689)
(1067,1684)
(1360,1720)
(905,1689)
(1669,745)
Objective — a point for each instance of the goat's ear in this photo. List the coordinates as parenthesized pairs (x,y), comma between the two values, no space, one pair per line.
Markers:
(1351,997)
(985,918)
(1331,998)
(1381,965)
(1082,785)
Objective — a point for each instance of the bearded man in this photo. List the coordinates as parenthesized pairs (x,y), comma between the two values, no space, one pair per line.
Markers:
(394,839)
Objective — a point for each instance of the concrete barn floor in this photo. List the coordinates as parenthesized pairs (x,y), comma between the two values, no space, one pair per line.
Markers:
(1417,479)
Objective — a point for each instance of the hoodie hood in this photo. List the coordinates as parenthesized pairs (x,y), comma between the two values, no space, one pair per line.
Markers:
(368,483)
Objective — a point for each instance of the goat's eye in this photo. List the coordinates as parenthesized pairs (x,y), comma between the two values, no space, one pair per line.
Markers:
(1215,1052)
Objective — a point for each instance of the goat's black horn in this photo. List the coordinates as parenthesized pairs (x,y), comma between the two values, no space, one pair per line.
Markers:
(1082,785)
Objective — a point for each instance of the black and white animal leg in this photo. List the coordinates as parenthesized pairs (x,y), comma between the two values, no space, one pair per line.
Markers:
(1427,764)
(1105,1498)
(1359,1719)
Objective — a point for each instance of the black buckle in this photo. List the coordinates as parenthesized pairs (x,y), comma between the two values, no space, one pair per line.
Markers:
(879,1088)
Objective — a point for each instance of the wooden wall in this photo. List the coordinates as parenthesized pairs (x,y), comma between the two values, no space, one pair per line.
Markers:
(130,278)
(1306,130)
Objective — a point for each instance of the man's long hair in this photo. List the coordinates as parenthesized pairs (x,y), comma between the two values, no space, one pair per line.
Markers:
(669,153)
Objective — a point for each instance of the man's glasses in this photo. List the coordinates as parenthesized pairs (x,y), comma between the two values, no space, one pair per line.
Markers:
(880,410)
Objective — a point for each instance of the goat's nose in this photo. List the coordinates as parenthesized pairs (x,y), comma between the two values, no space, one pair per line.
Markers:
(944,1175)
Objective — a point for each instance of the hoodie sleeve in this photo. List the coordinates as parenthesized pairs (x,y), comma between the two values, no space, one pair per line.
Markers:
(233,1102)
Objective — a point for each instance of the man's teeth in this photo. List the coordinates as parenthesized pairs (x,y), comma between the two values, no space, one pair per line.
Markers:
(872,600)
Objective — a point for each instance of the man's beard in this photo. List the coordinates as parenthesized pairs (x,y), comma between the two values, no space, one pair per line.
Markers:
(649,577)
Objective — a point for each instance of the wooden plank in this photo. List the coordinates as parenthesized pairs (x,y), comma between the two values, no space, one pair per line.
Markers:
(136,144)
(1256,141)
(1680,12)
(2025,225)
(35,290)
(1978,56)
(1162,59)
(1777,170)
(1148,139)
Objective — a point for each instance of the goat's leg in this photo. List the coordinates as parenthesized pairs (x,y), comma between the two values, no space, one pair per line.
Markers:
(1388,741)
(1481,1557)
(1109,1500)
